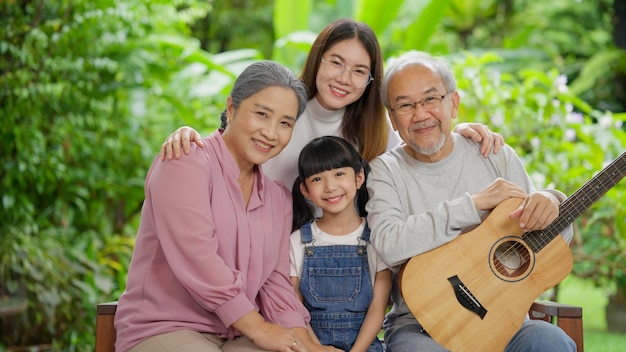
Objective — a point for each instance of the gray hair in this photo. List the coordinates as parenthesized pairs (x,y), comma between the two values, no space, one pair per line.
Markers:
(263,74)
(436,64)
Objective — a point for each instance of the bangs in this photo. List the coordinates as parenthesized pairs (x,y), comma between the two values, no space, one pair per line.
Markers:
(324,154)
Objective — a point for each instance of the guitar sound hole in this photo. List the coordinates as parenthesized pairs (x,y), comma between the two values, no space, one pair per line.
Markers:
(511,259)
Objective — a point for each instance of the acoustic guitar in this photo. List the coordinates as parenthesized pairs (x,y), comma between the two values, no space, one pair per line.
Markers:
(473,293)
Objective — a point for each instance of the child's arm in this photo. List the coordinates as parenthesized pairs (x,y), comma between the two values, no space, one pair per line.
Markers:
(375,313)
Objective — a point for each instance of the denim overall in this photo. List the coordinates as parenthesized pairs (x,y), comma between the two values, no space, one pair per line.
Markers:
(337,289)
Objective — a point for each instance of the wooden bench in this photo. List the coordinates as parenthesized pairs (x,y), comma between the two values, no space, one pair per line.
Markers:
(105,331)
(569,318)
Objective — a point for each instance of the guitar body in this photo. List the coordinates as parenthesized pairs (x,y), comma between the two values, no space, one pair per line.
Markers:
(473,293)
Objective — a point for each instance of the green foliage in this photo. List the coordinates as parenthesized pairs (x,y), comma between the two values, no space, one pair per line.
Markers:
(377,14)
(233,24)
(291,16)
(422,28)
(294,41)
(88,89)
(593,300)
(567,35)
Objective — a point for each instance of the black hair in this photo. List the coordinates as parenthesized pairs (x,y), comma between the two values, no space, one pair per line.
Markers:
(323,154)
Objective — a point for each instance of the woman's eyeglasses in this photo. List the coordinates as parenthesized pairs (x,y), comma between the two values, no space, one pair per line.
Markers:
(360,76)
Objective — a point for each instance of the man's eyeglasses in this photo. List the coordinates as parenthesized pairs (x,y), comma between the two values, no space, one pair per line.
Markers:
(360,76)
(430,102)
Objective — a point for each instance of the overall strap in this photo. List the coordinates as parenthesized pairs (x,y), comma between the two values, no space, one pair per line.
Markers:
(365,237)
(307,238)
(307,234)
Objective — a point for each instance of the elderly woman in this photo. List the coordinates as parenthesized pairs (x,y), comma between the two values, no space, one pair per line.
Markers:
(210,269)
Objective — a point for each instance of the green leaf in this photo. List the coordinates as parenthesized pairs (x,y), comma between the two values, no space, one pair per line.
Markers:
(425,24)
(291,16)
(378,14)
(596,67)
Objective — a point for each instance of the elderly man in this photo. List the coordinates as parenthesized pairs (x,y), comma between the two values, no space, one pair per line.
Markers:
(436,186)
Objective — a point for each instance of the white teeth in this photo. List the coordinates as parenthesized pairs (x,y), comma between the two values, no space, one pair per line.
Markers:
(333,199)
(340,91)
(262,145)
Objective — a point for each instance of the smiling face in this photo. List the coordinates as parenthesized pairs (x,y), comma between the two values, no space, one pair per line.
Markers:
(333,190)
(338,91)
(261,126)
(425,131)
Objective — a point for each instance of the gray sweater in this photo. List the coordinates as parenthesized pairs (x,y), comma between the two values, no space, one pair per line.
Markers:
(416,206)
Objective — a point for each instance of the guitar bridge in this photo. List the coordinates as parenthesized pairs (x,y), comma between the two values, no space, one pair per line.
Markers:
(466,298)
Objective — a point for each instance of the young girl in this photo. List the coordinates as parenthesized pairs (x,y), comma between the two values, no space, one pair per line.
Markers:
(336,273)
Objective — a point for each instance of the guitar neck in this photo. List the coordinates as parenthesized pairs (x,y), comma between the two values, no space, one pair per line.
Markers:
(578,202)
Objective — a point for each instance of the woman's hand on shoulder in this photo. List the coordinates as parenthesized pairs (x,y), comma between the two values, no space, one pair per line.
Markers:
(182,137)
(479,132)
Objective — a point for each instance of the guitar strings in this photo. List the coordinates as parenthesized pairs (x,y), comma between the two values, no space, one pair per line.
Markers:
(580,200)
(569,210)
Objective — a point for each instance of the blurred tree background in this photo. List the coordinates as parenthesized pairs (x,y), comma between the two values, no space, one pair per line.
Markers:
(90,89)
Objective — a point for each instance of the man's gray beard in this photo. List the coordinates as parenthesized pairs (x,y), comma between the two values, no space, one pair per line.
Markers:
(432,150)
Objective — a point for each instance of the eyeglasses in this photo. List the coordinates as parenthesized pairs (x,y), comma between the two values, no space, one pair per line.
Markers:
(427,103)
(360,76)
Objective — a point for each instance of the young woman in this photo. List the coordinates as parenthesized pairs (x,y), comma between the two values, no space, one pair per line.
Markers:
(343,73)
(210,268)
(336,273)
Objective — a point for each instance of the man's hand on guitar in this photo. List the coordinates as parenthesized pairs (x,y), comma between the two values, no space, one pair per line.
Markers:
(537,211)
(494,194)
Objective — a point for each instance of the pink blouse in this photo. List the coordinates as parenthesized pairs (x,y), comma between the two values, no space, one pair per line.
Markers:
(202,260)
